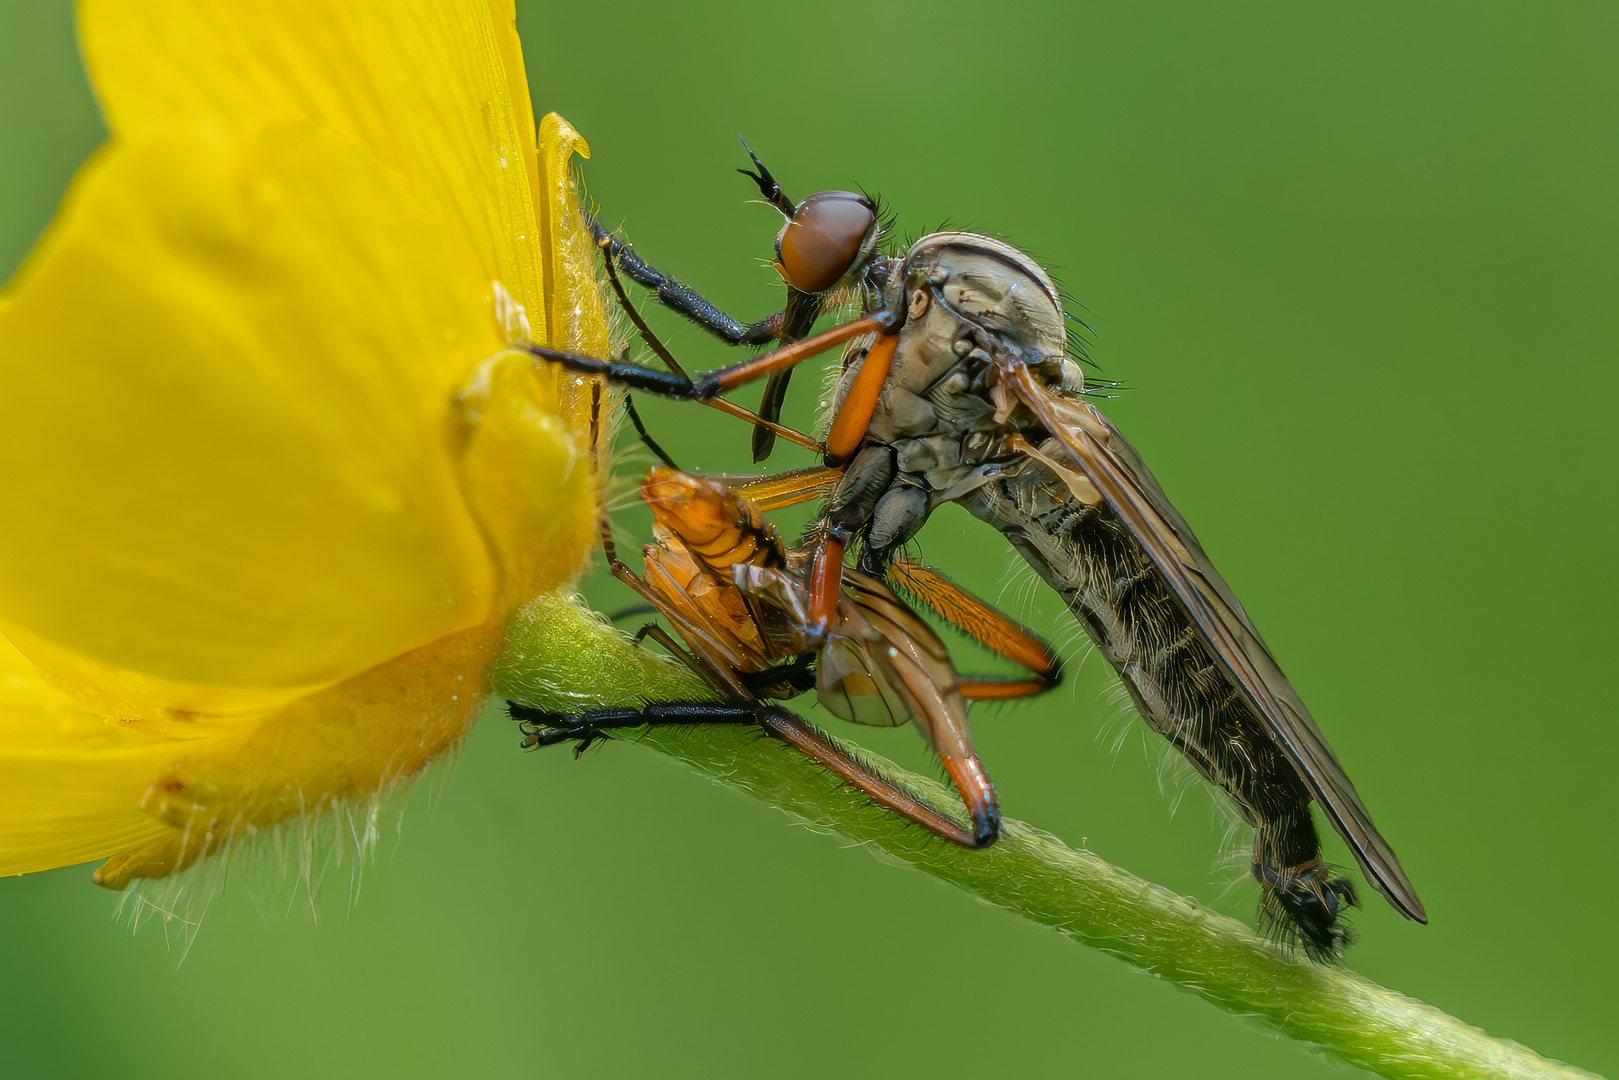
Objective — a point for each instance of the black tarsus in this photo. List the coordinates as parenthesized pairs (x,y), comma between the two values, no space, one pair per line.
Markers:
(681,298)
(541,727)
(634,376)
(647,336)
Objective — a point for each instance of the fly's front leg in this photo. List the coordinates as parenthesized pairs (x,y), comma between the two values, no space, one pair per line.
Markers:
(682,299)
(635,376)
(739,374)
(710,385)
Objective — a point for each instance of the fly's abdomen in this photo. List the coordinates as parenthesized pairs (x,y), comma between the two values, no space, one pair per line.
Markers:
(1176,683)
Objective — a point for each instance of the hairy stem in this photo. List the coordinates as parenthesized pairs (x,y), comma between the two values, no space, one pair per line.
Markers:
(560,656)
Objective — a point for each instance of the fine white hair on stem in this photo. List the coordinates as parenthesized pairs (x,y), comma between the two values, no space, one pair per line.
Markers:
(299,856)
(1028,872)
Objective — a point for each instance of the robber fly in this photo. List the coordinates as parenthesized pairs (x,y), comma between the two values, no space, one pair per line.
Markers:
(957,385)
(720,575)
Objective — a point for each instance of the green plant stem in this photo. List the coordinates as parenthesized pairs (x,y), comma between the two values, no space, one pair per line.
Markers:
(561,656)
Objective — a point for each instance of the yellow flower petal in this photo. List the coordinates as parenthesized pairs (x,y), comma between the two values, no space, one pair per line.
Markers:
(351,741)
(576,318)
(70,783)
(273,481)
(222,443)
(435,91)
(520,465)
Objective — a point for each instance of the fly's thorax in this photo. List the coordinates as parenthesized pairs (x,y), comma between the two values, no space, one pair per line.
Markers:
(991,284)
(926,349)
(965,303)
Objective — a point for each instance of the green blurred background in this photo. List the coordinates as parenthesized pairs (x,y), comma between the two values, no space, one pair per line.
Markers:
(1357,263)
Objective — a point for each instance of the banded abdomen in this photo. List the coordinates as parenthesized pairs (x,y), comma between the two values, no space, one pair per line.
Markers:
(1176,682)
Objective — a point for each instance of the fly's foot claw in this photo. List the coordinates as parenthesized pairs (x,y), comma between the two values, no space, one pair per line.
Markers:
(549,728)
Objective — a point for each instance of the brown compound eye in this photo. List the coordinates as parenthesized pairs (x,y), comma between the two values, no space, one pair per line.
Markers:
(823,239)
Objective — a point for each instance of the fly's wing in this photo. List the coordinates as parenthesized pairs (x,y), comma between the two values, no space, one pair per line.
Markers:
(855,686)
(783,489)
(1124,482)
(849,680)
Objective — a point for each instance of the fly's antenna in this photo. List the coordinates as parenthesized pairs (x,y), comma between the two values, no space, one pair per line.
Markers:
(767,183)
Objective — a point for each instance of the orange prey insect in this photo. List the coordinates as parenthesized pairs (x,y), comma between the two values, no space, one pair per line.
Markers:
(719,574)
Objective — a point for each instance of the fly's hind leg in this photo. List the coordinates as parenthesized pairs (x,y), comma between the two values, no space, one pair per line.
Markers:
(989,627)
(547,728)
(986,625)
(978,796)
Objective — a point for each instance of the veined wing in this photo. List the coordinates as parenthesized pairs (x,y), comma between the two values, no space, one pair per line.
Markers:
(853,682)
(855,687)
(1112,466)
(916,663)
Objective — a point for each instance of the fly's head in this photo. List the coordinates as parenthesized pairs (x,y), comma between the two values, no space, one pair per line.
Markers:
(828,241)
(830,238)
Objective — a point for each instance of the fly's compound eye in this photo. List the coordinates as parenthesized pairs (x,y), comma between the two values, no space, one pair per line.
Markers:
(823,239)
